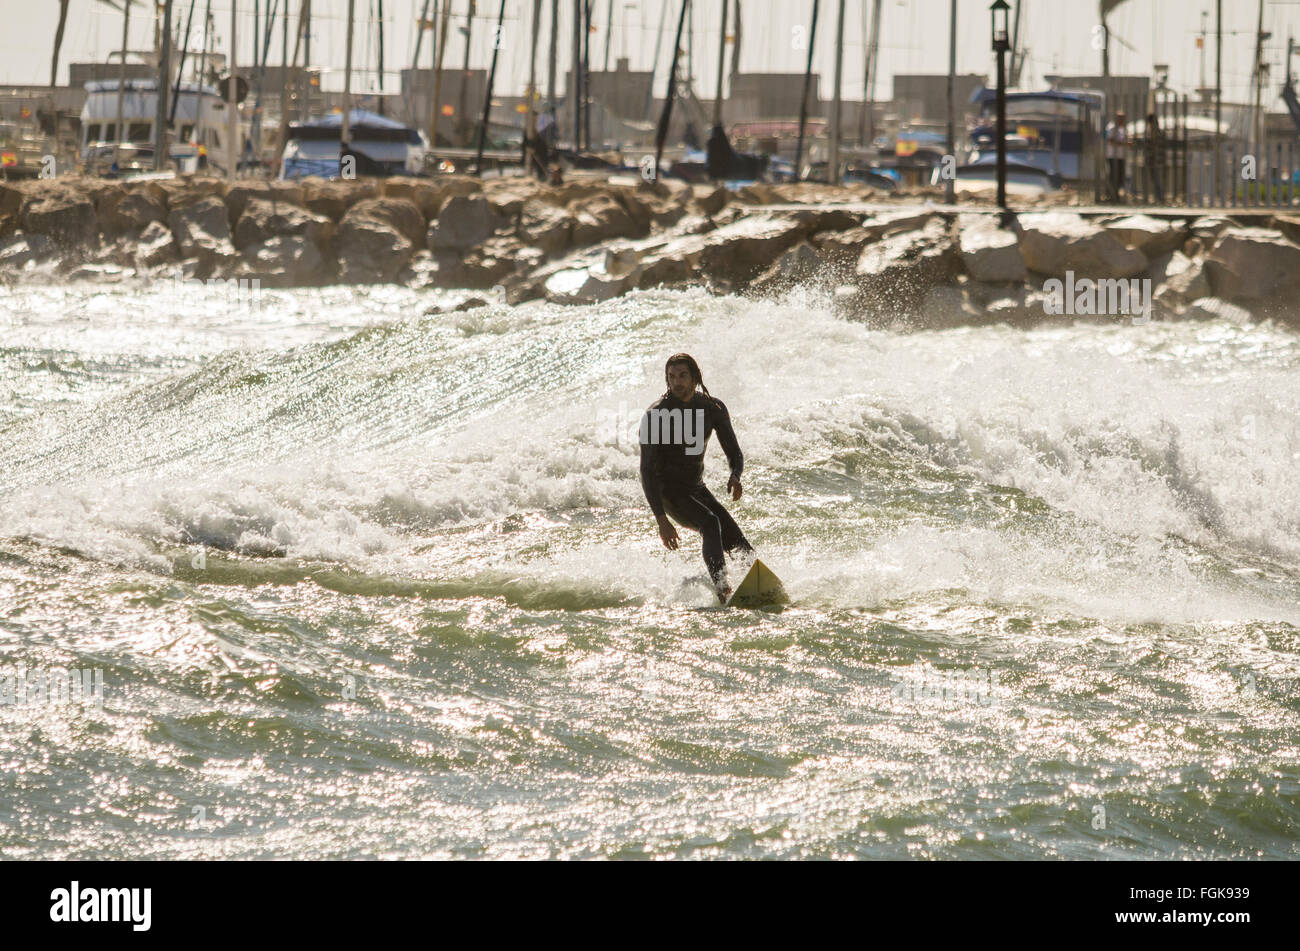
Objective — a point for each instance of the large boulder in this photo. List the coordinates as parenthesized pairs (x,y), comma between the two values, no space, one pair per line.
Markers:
(1152,236)
(278,192)
(262,220)
(400,214)
(1178,279)
(602,218)
(801,264)
(507,196)
(285,261)
(424,193)
(1253,264)
(741,251)
(66,218)
(948,305)
(334,199)
(370,248)
(17,251)
(988,252)
(711,201)
(894,274)
(671,263)
(187,189)
(130,211)
(842,248)
(156,245)
(588,285)
(464,222)
(202,229)
(1055,242)
(492,263)
(896,221)
(545,227)
(1289,225)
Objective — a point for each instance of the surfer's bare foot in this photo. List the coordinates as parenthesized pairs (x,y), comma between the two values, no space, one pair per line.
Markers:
(724,592)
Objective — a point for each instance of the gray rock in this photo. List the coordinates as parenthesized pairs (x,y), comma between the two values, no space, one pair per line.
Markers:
(370,250)
(1253,264)
(464,222)
(711,202)
(400,214)
(895,273)
(156,245)
(285,261)
(947,305)
(131,212)
(586,285)
(801,264)
(1210,227)
(887,223)
(739,252)
(1213,308)
(1055,242)
(545,227)
(262,220)
(69,220)
(989,253)
(202,229)
(1152,236)
(602,218)
(1178,279)
(17,250)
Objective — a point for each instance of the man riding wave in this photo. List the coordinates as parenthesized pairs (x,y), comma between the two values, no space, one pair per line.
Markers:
(675,431)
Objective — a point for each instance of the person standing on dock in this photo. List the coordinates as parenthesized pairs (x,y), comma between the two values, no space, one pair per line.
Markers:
(1116,144)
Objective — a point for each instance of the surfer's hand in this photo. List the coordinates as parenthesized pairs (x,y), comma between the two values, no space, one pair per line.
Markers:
(668,534)
(733,486)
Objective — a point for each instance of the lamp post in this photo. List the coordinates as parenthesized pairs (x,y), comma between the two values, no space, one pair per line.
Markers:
(1000,10)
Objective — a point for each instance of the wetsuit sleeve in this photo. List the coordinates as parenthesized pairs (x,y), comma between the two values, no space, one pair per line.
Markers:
(650,481)
(727,439)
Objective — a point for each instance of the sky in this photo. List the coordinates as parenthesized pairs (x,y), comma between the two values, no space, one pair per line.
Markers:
(1058,35)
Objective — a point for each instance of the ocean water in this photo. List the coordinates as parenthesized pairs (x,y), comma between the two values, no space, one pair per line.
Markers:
(364,583)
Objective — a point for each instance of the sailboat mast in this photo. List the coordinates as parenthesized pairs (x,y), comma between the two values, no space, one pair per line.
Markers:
(232,106)
(803,100)
(444,28)
(833,159)
(346,133)
(873,54)
(164,86)
(722,58)
(665,117)
(487,99)
(381,56)
(464,76)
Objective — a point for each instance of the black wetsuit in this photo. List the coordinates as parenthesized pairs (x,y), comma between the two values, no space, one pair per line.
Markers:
(673,438)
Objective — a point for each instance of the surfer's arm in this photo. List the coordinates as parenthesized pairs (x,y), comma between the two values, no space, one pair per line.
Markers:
(650,482)
(727,440)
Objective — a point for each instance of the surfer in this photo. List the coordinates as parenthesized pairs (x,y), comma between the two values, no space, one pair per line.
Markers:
(675,431)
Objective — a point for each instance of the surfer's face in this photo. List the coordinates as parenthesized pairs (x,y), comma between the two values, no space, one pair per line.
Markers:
(680,382)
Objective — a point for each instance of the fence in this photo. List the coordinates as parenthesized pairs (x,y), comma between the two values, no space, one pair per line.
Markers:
(1170,156)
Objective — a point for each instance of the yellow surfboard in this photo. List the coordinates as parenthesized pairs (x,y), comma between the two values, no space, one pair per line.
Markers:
(759,588)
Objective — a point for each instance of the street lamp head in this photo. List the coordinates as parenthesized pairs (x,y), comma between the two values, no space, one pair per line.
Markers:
(1000,11)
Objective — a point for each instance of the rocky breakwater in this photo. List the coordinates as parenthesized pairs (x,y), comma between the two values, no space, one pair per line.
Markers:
(917,265)
(454,231)
(937,267)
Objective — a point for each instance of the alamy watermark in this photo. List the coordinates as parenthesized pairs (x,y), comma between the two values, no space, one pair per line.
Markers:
(920,683)
(655,427)
(1112,297)
(243,294)
(53,686)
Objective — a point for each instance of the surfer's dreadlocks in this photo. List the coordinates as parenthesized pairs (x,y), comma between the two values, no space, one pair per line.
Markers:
(696,376)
